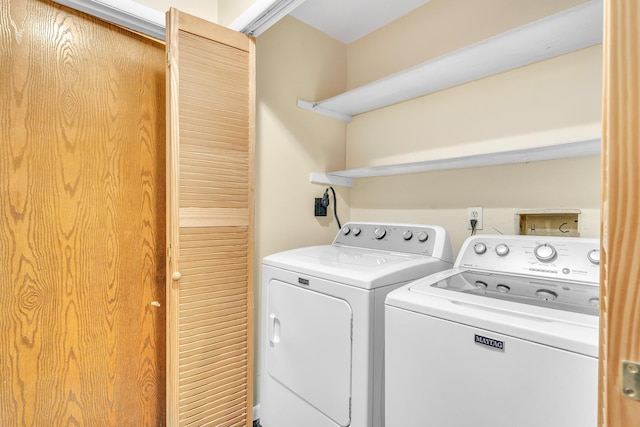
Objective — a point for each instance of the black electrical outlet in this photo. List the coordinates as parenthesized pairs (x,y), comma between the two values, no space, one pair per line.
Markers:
(320,210)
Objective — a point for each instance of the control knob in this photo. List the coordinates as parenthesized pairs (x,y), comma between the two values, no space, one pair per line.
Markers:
(594,256)
(346,230)
(407,235)
(503,288)
(480,248)
(545,252)
(480,284)
(356,231)
(502,249)
(379,233)
(547,295)
(422,236)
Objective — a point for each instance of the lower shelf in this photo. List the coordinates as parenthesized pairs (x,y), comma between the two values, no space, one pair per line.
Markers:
(345,178)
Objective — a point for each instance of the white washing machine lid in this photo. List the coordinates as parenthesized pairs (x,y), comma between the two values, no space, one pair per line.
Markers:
(555,327)
(363,268)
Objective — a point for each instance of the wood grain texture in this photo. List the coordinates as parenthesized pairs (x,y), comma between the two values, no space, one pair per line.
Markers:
(81,221)
(211,217)
(214,124)
(213,323)
(208,30)
(620,311)
(210,188)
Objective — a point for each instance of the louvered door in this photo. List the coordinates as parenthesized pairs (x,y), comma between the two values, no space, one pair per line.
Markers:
(210,82)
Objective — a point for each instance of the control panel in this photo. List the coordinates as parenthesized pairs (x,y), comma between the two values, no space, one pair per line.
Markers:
(563,295)
(403,238)
(564,258)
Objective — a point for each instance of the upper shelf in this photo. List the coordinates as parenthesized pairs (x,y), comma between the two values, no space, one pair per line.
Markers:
(564,32)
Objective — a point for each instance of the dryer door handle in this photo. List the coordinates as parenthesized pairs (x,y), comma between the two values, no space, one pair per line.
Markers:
(274,329)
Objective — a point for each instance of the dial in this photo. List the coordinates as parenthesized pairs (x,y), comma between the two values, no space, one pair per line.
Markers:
(502,288)
(546,295)
(407,235)
(502,249)
(346,230)
(594,302)
(545,252)
(379,233)
(480,284)
(422,236)
(356,231)
(594,256)
(480,248)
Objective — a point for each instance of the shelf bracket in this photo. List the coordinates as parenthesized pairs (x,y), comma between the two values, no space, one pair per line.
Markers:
(317,108)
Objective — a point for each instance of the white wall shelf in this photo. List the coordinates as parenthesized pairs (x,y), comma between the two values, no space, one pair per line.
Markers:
(573,29)
(560,151)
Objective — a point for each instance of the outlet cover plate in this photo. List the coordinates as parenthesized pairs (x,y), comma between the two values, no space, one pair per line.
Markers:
(474,213)
(319,210)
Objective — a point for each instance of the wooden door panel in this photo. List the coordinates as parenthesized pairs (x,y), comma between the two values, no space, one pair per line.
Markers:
(81,221)
(210,217)
(620,310)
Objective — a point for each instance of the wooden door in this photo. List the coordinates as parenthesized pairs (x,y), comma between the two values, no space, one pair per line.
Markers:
(210,98)
(82,221)
(620,312)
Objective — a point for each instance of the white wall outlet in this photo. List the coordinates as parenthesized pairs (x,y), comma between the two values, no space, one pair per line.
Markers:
(474,213)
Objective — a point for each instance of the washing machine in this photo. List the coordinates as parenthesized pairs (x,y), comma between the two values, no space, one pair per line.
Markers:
(322,322)
(506,338)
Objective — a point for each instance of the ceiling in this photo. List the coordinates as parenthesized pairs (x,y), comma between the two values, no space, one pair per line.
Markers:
(348,20)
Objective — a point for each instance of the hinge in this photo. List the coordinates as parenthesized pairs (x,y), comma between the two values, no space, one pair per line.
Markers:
(169,252)
(168,57)
(631,380)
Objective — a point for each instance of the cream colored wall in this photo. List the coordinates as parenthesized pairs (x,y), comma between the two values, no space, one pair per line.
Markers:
(295,61)
(550,102)
(554,101)
(439,27)
(203,9)
(442,197)
(229,10)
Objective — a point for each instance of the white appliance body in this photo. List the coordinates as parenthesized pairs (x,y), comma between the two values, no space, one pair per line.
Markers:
(506,338)
(322,313)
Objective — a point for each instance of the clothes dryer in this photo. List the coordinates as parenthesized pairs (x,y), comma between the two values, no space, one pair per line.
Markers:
(508,337)
(322,322)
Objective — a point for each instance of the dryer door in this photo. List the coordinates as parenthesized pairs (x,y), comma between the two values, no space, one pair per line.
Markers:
(309,347)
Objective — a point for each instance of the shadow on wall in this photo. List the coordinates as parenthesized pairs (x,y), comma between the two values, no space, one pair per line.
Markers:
(295,61)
